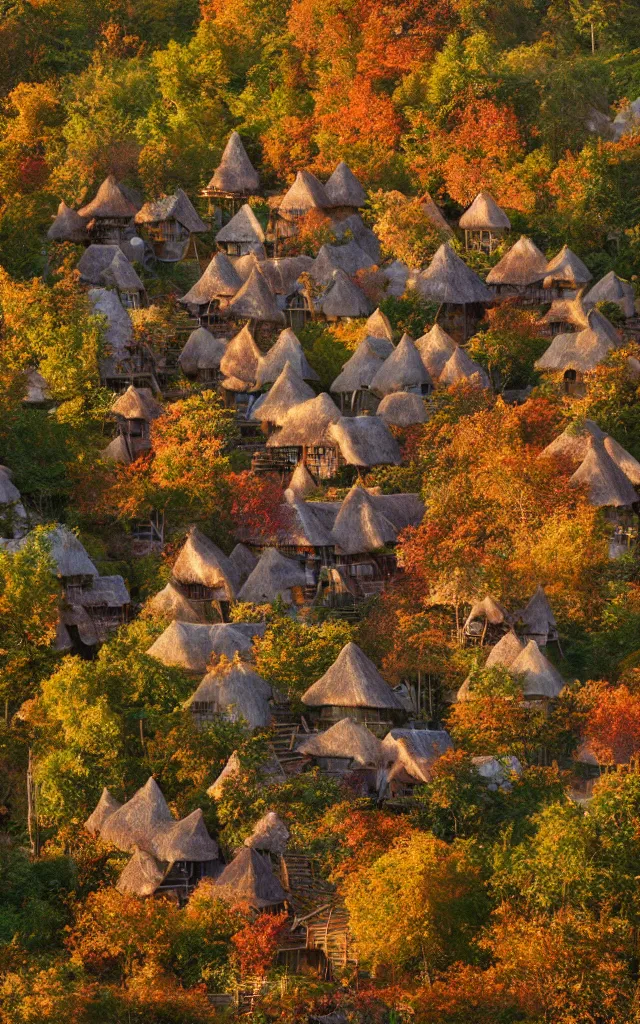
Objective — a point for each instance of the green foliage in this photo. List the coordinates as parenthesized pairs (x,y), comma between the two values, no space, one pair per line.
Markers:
(410,313)
(33,895)
(325,354)
(291,655)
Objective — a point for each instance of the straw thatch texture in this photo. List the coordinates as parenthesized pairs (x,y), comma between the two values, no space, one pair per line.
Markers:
(303,526)
(270,835)
(109,591)
(219,281)
(566,269)
(462,367)
(487,609)
(177,207)
(360,526)
(448,279)
(521,266)
(235,174)
(623,459)
(142,875)
(169,603)
(243,265)
(241,357)
(343,298)
(365,441)
(306,424)
(537,618)
(612,288)
(396,276)
(106,806)
(121,274)
(414,751)
(434,213)
(38,391)
(436,348)
(484,214)
(282,273)
(569,311)
(403,370)
(288,391)
(381,346)
(402,409)
(346,739)
(186,839)
(118,450)
(271,774)
(249,879)
(68,554)
(344,189)
(244,562)
(301,483)
(68,226)
(137,404)
(119,332)
(573,443)
(359,370)
(307,193)
(244,228)
(350,258)
(541,679)
(237,692)
(135,822)
(363,235)
(607,486)
(255,301)
(272,578)
(94,262)
(110,203)
(352,681)
(504,653)
(582,350)
(201,352)
(379,325)
(190,645)
(287,349)
(201,561)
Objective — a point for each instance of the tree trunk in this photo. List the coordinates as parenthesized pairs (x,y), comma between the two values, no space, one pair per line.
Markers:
(593,38)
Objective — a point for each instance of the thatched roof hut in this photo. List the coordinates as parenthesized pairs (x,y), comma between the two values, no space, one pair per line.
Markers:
(350,258)
(170,603)
(307,193)
(244,562)
(612,288)
(255,301)
(343,299)
(288,391)
(522,266)
(135,823)
(201,352)
(306,424)
(119,331)
(190,645)
(364,236)
(607,485)
(504,653)
(235,691)
(365,441)
(110,203)
(270,835)
(106,806)
(68,226)
(187,839)
(235,175)
(243,229)
(379,325)
(200,561)
(436,348)
(537,618)
(69,555)
(248,879)
(137,404)
(177,207)
(273,577)
(360,525)
(580,351)
(287,349)
(243,265)
(449,280)
(344,189)
(271,774)
(282,273)
(352,681)
(434,214)
(484,214)
(569,311)
(121,275)
(345,739)
(573,443)
(301,483)
(541,679)
(566,270)
(359,370)
(462,367)
(142,875)
(414,751)
(402,409)
(219,282)
(487,610)
(403,370)
(94,262)
(241,357)
(118,450)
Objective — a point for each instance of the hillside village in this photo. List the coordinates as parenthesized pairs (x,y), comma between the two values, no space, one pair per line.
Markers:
(319,499)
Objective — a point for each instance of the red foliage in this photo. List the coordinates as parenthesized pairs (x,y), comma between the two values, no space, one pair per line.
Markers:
(256,943)
(256,503)
(613,725)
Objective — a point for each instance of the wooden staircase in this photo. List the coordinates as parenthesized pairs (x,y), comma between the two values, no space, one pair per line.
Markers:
(329,931)
(284,733)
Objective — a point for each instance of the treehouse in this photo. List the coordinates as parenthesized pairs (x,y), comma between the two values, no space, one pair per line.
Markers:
(612,288)
(409,755)
(200,357)
(275,578)
(435,348)
(234,179)
(353,688)
(564,316)
(364,540)
(249,880)
(304,435)
(239,368)
(402,409)
(170,603)
(353,383)
(171,225)
(125,361)
(204,575)
(234,692)
(271,408)
(520,273)
(287,349)
(402,370)
(109,216)
(306,195)
(349,258)
(242,234)
(255,304)
(107,266)
(346,748)
(68,226)
(536,620)
(578,352)
(573,444)
(486,621)
(364,442)
(211,294)
(566,274)
(344,192)
(503,653)
(433,212)
(193,645)
(106,602)
(342,299)
(460,294)
(282,274)
(608,487)
(484,224)
(135,411)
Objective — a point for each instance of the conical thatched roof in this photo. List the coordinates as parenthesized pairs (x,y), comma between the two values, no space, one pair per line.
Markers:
(396,276)
(607,485)
(137,404)
(241,357)
(109,203)
(343,298)
(235,173)
(135,822)
(142,875)
(177,207)
(289,390)
(487,609)
(307,193)
(121,275)
(365,441)
(249,879)
(186,839)
(304,527)
(68,553)
(219,281)
(360,526)
(537,617)
(301,483)
(95,260)
(402,370)
(243,265)
(243,561)
(434,213)
(350,258)
(270,835)
(484,214)
(244,227)
(435,348)
(462,367)
(448,279)
(541,679)
(271,773)
(256,301)
(402,409)
(306,424)
(201,561)
(106,806)
(68,226)
(347,739)
(364,236)
(118,450)
(237,692)
(190,645)
(352,681)
(273,577)
(566,268)
(414,751)
(379,325)
(612,288)
(119,331)
(170,603)
(359,370)
(381,346)
(573,443)
(623,459)
(580,350)
(504,653)
(287,349)
(201,352)
(344,189)
(522,265)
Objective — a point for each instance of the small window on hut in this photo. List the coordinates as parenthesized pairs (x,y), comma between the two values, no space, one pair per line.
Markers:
(570,377)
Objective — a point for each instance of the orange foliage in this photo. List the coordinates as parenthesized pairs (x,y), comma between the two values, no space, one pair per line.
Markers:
(256,943)
(613,725)
(360,836)
(256,503)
